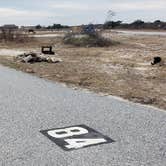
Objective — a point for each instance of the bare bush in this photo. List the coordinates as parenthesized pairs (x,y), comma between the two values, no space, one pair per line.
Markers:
(9,35)
(93,40)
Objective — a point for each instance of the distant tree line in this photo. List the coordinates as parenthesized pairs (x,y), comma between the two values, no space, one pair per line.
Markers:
(54,26)
(138,24)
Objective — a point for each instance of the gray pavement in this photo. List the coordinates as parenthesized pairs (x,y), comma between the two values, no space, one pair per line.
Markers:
(29,104)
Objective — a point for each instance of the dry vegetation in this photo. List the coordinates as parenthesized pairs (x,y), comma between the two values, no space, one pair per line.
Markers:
(93,40)
(123,70)
(8,35)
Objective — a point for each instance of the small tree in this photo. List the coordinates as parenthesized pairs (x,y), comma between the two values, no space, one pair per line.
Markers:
(110,15)
(109,23)
(38,26)
(138,24)
(57,26)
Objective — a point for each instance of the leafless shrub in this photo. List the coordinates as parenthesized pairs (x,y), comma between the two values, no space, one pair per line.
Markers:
(93,40)
(8,35)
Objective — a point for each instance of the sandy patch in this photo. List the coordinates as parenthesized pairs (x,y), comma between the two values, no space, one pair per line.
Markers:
(15,52)
(128,32)
(10,52)
(49,35)
(141,68)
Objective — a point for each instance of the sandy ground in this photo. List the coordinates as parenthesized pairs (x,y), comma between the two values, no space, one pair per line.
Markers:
(48,35)
(122,70)
(139,32)
(10,52)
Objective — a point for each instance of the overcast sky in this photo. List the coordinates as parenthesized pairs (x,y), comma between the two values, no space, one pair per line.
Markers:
(75,12)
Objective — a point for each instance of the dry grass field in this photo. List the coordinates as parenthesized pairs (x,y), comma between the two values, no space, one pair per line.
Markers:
(122,70)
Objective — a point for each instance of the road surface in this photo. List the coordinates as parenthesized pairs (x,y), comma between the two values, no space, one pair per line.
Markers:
(29,104)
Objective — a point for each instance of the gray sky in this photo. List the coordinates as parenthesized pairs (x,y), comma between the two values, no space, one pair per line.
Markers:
(74,12)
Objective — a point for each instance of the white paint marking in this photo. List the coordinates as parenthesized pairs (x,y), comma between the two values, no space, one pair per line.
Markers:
(67,132)
(80,143)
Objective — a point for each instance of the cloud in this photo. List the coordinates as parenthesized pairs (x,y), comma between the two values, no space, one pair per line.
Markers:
(74,6)
(117,6)
(77,11)
(142,5)
(11,15)
(9,12)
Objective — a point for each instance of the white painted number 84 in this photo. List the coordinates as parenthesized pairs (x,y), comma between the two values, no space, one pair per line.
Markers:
(75,143)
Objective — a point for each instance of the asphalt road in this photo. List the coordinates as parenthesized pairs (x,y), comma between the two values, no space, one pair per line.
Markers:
(29,104)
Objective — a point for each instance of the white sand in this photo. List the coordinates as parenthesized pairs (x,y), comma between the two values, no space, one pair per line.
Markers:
(49,35)
(10,52)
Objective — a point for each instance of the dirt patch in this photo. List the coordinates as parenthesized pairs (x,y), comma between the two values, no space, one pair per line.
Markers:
(123,70)
(10,52)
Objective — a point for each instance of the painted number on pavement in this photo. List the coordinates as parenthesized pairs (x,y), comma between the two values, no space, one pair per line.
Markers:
(76,137)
